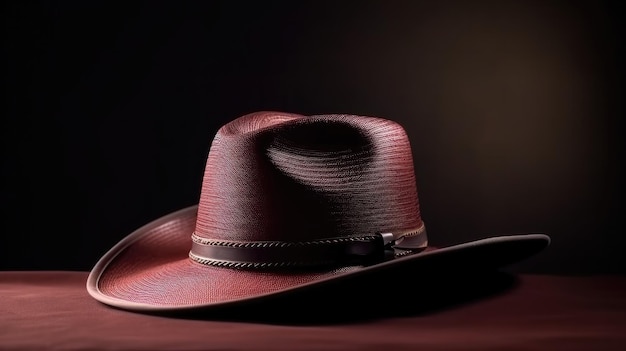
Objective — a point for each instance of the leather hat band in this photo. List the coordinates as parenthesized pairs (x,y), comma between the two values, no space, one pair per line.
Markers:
(367,249)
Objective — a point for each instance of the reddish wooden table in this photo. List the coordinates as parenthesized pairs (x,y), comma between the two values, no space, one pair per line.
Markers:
(51,310)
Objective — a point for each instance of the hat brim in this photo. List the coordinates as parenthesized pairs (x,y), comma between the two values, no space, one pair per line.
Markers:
(150,270)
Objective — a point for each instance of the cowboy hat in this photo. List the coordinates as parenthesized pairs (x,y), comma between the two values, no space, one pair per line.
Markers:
(289,202)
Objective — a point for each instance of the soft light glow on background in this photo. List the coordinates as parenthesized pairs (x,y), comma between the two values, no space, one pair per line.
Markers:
(511,108)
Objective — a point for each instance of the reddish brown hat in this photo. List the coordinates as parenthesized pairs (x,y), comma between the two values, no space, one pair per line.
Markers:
(287,202)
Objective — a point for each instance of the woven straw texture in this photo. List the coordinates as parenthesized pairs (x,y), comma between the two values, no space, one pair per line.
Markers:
(272,176)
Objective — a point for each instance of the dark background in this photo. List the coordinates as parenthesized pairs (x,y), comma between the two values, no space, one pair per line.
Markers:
(512,107)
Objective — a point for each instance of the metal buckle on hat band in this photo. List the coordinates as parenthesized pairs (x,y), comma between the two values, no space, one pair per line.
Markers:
(411,239)
(337,251)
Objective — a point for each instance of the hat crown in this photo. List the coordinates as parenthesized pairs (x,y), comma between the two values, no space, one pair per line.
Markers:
(283,177)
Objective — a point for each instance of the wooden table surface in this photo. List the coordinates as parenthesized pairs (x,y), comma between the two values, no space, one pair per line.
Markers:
(41,310)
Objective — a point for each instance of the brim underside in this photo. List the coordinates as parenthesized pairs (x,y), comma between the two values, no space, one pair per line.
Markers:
(150,269)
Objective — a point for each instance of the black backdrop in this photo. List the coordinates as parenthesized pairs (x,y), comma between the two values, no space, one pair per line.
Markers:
(512,107)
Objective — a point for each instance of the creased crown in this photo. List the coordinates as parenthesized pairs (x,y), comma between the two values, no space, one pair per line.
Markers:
(283,177)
